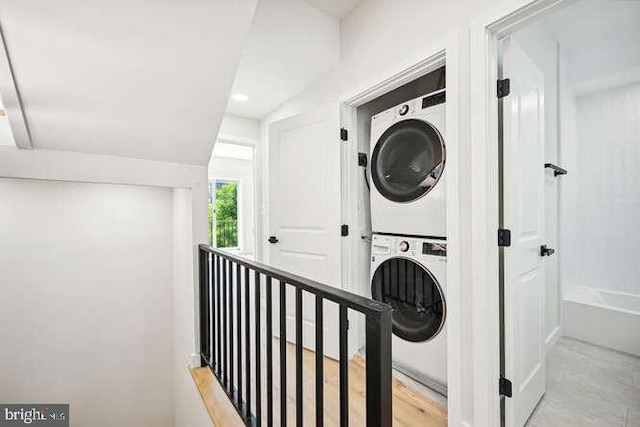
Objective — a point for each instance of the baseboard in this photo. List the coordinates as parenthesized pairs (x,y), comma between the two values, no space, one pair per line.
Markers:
(551,339)
(194,360)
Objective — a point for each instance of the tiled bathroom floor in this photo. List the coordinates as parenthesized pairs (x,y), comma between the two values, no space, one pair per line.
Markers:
(589,385)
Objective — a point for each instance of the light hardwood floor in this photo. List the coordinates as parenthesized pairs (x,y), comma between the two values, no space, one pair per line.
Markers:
(410,408)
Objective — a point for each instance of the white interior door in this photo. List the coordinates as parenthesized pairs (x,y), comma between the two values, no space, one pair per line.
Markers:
(523,213)
(304,212)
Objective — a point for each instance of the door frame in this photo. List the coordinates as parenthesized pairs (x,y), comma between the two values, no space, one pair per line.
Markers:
(486,30)
(444,51)
(257,190)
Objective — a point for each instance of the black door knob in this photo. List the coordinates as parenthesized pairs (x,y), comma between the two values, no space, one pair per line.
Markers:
(272,239)
(546,251)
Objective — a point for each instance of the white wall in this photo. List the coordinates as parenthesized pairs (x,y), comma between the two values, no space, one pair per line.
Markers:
(604,246)
(600,63)
(237,127)
(240,170)
(189,409)
(536,41)
(189,185)
(86,300)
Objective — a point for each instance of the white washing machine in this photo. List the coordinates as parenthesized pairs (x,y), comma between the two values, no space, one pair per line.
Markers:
(410,275)
(407,168)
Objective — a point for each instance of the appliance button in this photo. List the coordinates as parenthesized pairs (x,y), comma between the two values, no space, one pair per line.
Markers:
(404,246)
(404,110)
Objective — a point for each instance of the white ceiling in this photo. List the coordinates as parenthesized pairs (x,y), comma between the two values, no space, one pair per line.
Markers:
(133,78)
(232,151)
(291,44)
(337,8)
(594,21)
(598,37)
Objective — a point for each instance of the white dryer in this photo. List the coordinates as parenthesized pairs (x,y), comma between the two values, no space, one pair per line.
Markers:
(410,275)
(407,168)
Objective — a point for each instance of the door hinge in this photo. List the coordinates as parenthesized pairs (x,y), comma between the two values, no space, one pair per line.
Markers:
(362,159)
(505,387)
(344,134)
(504,237)
(504,88)
(344,230)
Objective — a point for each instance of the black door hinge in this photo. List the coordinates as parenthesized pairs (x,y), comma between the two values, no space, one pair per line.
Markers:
(344,134)
(344,230)
(362,159)
(505,387)
(504,88)
(504,237)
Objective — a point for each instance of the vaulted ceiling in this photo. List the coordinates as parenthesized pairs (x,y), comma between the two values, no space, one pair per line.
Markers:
(291,44)
(133,78)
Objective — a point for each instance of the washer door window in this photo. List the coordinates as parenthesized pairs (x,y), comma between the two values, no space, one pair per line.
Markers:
(415,296)
(408,160)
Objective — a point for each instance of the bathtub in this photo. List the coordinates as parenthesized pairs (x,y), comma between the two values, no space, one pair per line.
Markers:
(605,318)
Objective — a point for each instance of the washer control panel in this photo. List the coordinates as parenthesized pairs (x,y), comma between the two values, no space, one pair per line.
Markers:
(408,246)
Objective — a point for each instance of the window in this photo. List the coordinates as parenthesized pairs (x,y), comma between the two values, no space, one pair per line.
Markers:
(226,213)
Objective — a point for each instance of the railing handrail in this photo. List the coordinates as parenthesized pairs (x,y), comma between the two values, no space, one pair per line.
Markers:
(369,307)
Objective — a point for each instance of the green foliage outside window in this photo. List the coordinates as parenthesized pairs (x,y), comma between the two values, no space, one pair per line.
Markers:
(227,214)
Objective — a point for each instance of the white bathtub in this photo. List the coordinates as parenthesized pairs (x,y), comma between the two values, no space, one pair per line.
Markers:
(609,319)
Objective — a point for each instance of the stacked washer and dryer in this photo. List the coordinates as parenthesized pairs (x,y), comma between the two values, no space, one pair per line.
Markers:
(408,219)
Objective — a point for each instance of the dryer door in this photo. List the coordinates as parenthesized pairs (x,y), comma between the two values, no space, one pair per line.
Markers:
(418,303)
(407,160)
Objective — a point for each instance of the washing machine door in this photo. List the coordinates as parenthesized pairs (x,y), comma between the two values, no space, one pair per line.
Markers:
(408,160)
(418,303)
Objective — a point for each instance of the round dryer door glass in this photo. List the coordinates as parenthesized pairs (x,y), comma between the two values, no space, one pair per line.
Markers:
(407,160)
(415,296)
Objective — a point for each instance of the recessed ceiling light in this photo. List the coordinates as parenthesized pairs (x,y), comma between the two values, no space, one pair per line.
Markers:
(240,97)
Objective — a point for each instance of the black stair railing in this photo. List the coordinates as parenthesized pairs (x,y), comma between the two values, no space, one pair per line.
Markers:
(226,339)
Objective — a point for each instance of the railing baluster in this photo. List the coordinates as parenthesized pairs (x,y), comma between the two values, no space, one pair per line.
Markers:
(203,256)
(269,350)
(283,353)
(344,368)
(219,315)
(247,340)
(225,330)
(210,308)
(232,342)
(225,305)
(258,359)
(239,328)
(211,276)
(299,347)
(319,362)
(378,369)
